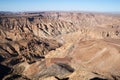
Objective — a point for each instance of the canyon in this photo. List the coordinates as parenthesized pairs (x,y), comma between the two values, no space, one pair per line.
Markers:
(59,46)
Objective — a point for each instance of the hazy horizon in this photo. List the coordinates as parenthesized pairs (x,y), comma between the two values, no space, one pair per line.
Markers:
(110,6)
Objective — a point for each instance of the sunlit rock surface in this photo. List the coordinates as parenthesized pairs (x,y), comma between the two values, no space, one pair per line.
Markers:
(59,46)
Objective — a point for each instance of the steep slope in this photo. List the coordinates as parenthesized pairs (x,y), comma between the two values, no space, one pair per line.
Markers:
(59,46)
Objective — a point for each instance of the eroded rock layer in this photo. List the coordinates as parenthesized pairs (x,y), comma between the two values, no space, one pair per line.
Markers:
(59,46)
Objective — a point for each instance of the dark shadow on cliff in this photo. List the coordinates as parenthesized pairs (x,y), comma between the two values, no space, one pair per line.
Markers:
(4,70)
(97,78)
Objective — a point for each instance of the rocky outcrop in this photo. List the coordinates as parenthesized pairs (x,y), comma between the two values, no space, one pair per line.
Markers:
(59,46)
(18,28)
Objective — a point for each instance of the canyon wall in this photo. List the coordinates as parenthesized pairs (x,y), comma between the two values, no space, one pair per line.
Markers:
(51,41)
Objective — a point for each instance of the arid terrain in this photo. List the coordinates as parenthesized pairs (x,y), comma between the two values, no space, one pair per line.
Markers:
(59,46)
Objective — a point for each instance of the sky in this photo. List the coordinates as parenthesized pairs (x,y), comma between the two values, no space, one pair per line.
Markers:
(60,5)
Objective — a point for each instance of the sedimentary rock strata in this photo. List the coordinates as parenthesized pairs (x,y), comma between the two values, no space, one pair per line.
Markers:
(59,46)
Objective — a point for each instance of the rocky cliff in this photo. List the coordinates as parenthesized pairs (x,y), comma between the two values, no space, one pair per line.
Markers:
(59,45)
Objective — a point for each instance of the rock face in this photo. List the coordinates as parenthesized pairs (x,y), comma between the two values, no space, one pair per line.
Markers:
(59,46)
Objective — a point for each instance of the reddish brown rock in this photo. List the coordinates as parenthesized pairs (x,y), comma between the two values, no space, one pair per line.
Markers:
(60,45)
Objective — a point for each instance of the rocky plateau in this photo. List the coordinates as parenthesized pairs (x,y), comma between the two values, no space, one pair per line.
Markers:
(59,46)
